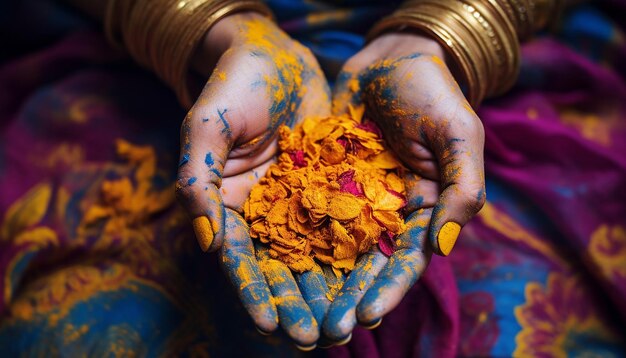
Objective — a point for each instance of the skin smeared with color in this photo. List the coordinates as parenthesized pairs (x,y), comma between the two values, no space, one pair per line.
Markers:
(259,79)
(262,80)
(408,89)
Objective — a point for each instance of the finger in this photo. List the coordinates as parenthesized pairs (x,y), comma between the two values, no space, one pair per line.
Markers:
(314,290)
(448,126)
(294,314)
(341,317)
(421,193)
(210,129)
(240,264)
(334,280)
(400,273)
(199,181)
(202,161)
(462,180)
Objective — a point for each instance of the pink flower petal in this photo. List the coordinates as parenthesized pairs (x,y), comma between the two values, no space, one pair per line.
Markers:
(297,158)
(395,193)
(386,243)
(370,126)
(348,185)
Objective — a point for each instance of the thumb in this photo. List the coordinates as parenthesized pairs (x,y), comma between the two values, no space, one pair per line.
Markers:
(209,131)
(200,172)
(460,158)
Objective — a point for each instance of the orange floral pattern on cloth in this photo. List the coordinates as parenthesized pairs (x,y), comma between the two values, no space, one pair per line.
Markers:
(334,193)
(556,321)
(607,248)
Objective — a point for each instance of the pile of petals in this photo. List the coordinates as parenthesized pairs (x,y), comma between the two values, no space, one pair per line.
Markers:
(335,191)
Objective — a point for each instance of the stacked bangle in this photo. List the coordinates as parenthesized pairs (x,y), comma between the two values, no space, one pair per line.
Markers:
(481,36)
(163,34)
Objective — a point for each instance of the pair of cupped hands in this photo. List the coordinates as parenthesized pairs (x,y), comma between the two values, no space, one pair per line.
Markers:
(260,79)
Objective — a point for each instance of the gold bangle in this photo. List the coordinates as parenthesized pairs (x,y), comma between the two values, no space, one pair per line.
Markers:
(110,25)
(478,35)
(114,17)
(179,80)
(163,34)
(521,14)
(544,10)
(506,43)
(529,16)
(447,35)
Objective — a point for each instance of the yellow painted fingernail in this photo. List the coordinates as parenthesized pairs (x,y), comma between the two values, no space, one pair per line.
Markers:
(447,237)
(345,340)
(204,233)
(306,348)
(375,324)
(262,332)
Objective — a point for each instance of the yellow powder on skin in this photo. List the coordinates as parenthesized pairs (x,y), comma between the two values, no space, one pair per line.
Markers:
(333,193)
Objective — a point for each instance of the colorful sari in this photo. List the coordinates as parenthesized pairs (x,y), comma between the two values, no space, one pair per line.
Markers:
(96,258)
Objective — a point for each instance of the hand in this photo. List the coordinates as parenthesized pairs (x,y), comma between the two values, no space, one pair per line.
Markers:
(262,79)
(259,79)
(408,89)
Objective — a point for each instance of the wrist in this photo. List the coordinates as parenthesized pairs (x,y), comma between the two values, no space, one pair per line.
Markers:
(402,43)
(478,35)
(219,38)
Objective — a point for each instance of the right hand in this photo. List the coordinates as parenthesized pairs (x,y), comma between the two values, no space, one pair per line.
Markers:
(259,79)
(407,88)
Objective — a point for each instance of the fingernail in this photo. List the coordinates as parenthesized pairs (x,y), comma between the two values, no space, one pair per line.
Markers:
(306,348)
(262,332)
(374,325)
(203,231)
(447,237)
(344,341)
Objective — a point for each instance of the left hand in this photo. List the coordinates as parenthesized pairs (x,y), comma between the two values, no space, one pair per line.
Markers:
(409,91)
(259,79)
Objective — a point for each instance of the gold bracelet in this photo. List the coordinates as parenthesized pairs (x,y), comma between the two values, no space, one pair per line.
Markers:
(448,34)
(545,10)
(521,14)
(506,43)
(115,15)
(530,16)
(163,34)
(477,34)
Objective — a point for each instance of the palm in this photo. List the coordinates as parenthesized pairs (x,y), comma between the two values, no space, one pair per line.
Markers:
(252,98)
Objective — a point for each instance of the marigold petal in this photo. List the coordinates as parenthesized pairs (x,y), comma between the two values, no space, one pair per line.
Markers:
(332,152)
(389,200)
(384,160)
(395,182)
(344,264)
(278,214)
(390,220)
(344,206)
